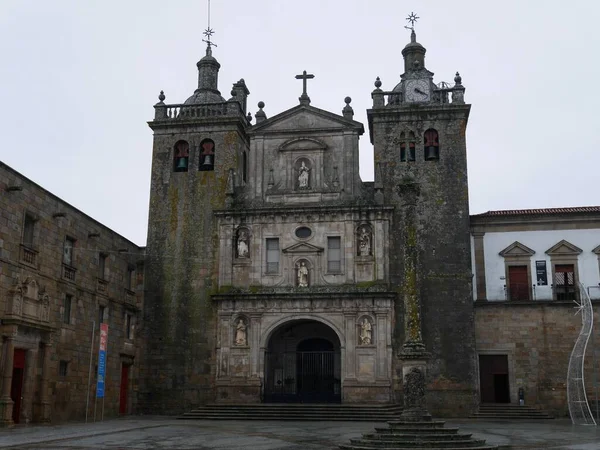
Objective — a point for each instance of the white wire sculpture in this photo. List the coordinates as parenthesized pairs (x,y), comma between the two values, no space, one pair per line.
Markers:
(579,408)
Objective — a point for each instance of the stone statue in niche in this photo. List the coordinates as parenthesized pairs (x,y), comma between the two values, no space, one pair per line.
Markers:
(364,242)
(302,275)
(366,337)
(242,244)
(303,176)
(241,337)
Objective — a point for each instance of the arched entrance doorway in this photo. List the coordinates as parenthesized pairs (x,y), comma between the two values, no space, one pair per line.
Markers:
(302,364)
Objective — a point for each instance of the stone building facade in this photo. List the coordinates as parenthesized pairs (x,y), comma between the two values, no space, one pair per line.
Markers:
(530,268)
(273,273)
(61,273)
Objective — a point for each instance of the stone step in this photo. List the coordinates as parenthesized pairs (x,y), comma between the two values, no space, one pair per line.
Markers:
(390,414)
(513,410)
(417,444)
(407,425)
(417,436)
(329,411)
(508,411)
(370,447)
(306,405)
(511,415)
(304,418)
(417,430)
(304,412)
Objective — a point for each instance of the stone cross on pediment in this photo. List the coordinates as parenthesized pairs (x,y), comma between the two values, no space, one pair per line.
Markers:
(304,98)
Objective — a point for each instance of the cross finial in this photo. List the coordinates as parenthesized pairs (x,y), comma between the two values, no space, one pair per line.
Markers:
(208,33)
(304,98)
(412,18)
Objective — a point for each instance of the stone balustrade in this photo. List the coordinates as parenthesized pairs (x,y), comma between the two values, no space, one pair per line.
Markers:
(187,112)
(445,94)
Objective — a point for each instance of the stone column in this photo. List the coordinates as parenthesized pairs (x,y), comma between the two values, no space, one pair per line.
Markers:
(44,397)
(6,403)
(350,356)
(413,354)
(254,342)
(413,340)
(381,341)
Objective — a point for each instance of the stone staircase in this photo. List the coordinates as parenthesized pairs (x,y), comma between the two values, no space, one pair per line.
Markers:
(297,412)
(508,411)
(430,435)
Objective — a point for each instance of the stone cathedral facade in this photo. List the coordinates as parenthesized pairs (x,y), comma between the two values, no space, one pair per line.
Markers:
(274,273)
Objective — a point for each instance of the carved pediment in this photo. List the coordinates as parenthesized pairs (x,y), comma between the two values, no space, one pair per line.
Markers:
(27,303)
(517,249)
(303,144)
(563,248)
(303,118)
(304,248)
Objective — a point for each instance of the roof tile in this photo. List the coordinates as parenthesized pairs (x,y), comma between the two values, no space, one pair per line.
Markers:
(540,211)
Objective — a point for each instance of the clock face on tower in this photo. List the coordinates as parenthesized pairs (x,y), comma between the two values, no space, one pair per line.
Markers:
(417,91)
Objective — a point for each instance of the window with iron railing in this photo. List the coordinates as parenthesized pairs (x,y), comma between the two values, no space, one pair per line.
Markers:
(564,282)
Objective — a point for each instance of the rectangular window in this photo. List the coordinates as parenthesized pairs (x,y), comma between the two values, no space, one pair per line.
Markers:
(68,251)
(67,308)
(101,310)
(272,255)
(334,254)
(62,368)
(128,331)
(130,282)
(102,266)
(564,282)
(28,227)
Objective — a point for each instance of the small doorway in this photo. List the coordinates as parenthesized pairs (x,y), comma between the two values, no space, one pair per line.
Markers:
(493,379)
(124,389)
(518,282)
(16,389)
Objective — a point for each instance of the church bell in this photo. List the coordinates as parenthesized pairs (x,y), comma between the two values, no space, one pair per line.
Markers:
(207,160)
(182,163)
(431,153)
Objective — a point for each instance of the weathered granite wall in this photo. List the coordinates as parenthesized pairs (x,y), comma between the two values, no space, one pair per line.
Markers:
(34,281)
(443,242)
(182,267)
(537,337)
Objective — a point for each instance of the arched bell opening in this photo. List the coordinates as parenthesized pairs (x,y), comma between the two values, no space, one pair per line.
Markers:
(303,364)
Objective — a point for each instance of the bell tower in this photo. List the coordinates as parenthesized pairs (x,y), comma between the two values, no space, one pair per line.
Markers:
(197,161)
(418,130)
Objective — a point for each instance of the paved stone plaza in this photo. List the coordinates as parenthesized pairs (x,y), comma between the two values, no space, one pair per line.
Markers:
(160,433)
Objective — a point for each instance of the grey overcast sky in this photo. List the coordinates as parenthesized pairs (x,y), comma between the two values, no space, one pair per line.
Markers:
(79,79)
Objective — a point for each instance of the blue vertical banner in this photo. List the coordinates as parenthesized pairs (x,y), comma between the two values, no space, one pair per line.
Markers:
(102,360)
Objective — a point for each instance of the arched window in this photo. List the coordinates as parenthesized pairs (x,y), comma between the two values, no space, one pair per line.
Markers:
(207,155)
(181,156)
(431,145)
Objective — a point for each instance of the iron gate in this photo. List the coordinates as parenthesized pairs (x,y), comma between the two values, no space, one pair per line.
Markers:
(306,377)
